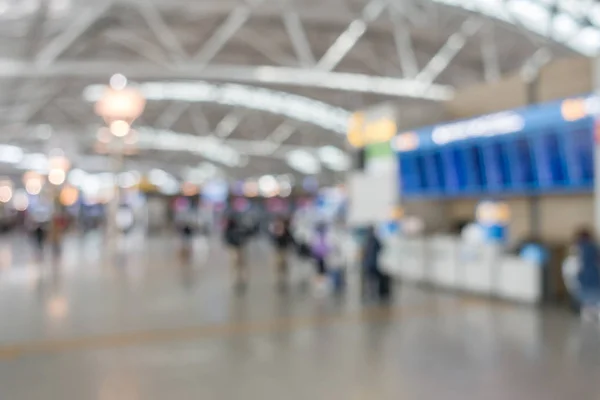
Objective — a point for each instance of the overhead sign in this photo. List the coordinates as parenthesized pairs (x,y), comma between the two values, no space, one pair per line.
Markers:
(499,124)
(488,125)
(373,126)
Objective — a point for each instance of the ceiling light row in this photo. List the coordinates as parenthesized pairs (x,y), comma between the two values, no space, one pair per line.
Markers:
(290,105)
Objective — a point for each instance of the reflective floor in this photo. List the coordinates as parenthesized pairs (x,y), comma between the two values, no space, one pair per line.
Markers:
(151,326)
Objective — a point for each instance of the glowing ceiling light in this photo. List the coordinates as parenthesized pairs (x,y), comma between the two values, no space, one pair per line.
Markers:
(56,176)
(129,179)
(304,162)
(119,128)
(170,186)
(33,186)
(90,186)
(285,189)
(334,158)
(76,177)
(268,185)
(158,177)
(20,200)
(250,188)
(35,162)
(69,196)
(10,154)
(6,193)
(118,81)
(189,189)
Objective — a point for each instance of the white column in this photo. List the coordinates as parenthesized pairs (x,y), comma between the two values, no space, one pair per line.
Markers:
(596,80)
(112,230)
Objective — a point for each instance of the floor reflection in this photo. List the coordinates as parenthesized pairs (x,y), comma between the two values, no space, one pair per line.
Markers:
(151,316)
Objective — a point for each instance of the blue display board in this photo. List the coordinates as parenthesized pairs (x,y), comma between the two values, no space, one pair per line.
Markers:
(539,149)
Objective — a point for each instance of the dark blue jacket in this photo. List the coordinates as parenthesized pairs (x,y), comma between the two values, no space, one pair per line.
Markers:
(589,273)
(371,253)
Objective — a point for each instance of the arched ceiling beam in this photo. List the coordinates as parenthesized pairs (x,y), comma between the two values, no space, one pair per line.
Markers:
(573,23)
(297,77)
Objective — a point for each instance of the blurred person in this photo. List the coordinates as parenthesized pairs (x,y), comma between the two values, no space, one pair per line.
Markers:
(320,248)
(38,234)
(586,286)
(375,281)
(303,232)
(337,257)
(282,239)
(186,230)
(235,238)
(58,226)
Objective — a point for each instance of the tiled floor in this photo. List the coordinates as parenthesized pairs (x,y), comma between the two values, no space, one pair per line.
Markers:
(150,327)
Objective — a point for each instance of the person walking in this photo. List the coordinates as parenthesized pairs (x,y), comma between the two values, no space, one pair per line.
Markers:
(320,250)
(375,281)
(39,238)
(587,285)
(282,240)
(187,235)
(235,240)
(303,232)
(337,257)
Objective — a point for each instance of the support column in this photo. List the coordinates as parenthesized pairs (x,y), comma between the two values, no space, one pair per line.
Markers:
(596,81)
(534,199)
(112,229)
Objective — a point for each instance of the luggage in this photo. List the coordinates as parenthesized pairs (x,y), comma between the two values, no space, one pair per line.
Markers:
(338,279)
(385,286)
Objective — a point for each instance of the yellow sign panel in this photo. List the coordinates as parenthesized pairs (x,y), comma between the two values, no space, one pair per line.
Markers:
(363,131)
(573,109)
(146,186)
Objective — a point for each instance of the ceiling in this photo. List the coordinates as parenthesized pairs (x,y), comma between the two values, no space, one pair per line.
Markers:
(260,78)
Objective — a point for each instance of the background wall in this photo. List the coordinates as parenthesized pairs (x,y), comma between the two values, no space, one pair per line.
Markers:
(564,78)
(561,216)
(505,94)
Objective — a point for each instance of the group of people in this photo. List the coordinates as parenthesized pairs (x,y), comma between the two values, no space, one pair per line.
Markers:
(318,246)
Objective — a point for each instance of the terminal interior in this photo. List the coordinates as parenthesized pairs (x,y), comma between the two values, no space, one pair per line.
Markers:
(259,199)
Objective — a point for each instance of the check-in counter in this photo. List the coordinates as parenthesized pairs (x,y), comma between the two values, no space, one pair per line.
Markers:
(479,264)
(445,269)
(413,266)
(447,262)
(518,279)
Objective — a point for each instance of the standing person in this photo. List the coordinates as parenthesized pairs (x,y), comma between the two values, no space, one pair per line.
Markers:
(303,232)
(320,250)
(337,258)
(235,240)
(374,280)
(282,239)
(39,239)
(187,233)
(58,226)
(588,277)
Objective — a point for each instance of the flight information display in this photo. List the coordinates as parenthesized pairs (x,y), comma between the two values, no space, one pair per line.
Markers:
(539,149)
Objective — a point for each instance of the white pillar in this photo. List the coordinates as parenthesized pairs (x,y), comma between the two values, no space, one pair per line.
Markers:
(596,80)
(112,230)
